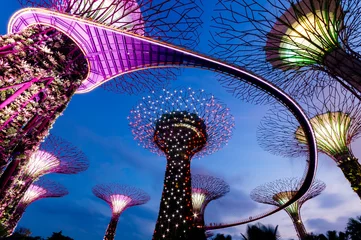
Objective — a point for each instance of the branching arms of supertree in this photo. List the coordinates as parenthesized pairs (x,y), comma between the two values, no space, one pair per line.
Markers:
(43,188)
(254,34)
(212,187)
(272,193)
(109,192)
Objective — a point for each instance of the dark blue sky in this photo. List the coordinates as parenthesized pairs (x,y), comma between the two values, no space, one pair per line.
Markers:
(97,123)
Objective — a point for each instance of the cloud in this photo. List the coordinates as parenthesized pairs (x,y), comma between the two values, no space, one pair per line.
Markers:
(321,225)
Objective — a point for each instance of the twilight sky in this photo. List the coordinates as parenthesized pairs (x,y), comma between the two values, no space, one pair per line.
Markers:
(97,123)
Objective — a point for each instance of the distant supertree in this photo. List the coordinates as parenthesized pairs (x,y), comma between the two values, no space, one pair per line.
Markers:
(43,64)
(298,44)
(180,124)
(54,156)
(336,119)
(204,190)
(280,191)
(43,188)
(119,198)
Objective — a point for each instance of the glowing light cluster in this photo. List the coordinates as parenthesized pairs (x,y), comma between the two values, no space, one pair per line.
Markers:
(281,191)
(304,34)
(41,162)
(119,198)
(206,189)
(180,124)
(119,203)
(197,109)
(198,199)
(34,192)
(331,131)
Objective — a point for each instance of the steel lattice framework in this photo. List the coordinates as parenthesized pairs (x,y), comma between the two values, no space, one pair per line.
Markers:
(180,124)
(96,40)
(204,190)
(43,188)
(336,118)
(280,191)
(119,198)
(54,156)
(299,45)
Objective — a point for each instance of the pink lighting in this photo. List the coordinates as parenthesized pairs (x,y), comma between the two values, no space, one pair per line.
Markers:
(119,202)
(34,192)
(41,162)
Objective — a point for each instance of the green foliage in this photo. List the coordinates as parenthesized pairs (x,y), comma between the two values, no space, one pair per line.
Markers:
(59,236)
(353,229)
(259,231)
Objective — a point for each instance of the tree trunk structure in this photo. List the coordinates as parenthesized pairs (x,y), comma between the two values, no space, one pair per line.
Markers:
(112,227)
(351,168)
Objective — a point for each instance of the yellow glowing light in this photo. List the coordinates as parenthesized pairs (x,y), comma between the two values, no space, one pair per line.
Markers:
(119,202)
(309,38)
(198,199)
(284,197)
(331,130)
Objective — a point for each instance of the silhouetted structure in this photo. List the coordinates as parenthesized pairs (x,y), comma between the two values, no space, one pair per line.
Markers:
(42,188)
(281,191)
(54,156)
(119,198)
(204,190)
(336,119)
(180,124)
(298,44)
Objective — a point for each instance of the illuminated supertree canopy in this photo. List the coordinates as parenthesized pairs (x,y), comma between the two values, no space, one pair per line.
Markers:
(43,188)
(336,119)
(180,124)
(119,198)
(298,44)
(204,190)
(280,191)
(54,156)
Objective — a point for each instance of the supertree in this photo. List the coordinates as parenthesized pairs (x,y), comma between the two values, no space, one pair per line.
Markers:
(180,124)
(44,64)
(43,188)
(109,52)
(119,198)
(280,191)
(298,44)
(54,156)
(204,190)
(336,119)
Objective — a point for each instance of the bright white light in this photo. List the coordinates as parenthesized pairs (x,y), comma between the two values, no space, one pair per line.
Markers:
(119,202)
(33,193)
(284,197)
(41,162)
(124,15)
(331,130)
(198,199)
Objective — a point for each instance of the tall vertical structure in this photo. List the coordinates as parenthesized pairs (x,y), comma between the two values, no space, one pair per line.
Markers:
(279,192)
(180,124)
(119,198)
(336,119)
(55,156)
(204,190)
(298,44)
(43,188)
